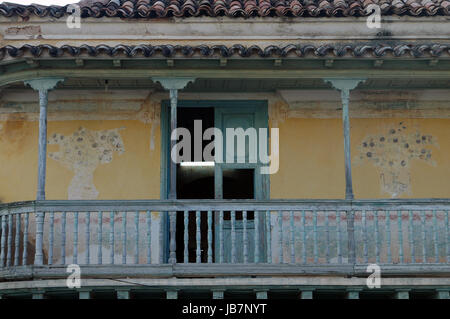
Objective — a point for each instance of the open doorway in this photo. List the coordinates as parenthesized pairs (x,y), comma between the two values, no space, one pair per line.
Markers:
(194,182)
(217,180)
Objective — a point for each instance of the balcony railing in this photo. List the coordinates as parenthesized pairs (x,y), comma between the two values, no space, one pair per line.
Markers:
(337,235)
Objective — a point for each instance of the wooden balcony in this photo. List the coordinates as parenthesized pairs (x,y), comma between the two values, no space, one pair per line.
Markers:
(209,238)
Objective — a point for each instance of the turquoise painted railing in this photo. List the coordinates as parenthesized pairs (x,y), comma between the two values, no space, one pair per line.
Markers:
(296,232)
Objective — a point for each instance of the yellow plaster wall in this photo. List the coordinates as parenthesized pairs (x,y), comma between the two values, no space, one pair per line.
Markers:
(312,158)
(134,174)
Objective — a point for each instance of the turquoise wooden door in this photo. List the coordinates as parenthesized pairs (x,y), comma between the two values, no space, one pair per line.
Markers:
(240,179)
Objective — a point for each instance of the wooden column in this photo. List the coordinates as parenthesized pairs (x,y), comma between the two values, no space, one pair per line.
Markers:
(123,293)
(42,85)
(172,294)
(261,293)
(402,294)
(442,293)
(352,293)
(306,293)
(218,293)
(173,85)
(85,294)
(344,86)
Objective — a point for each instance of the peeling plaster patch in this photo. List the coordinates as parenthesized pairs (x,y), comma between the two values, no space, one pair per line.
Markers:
(393,152)
(82,152)
(28,30)
(278,112)
(150,114)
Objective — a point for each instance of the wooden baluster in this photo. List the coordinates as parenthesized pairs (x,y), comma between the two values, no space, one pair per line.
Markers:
(38,256)
(268,237)
(411,236)
(100,238)
(172,237)
(388,235)
(10,233)
(17,242)
(3,241)
(315,250)
(233,236)
(447,243)
(339,237)
(25,239)
(377,246)
(136,238)
(364,234)
(75,238)
(424,237)
(292,237)
(210,257)
(221,248)
(280,237)
(186,236)
(63,237)
(88,237)
(198,239)
(111,238)
(327,233)
(244,235)
(161,233)
(124,237)
(436,238)
(400,236)
(304,238)
(149,237)
(256,237)
(51,238)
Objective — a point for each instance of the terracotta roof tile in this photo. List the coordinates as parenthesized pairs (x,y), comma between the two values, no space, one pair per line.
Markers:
(368,50)
(232,8)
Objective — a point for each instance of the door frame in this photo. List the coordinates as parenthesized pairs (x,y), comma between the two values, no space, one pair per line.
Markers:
(261,105)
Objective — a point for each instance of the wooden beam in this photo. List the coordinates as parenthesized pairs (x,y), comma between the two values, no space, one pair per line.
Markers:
(32,63)
(222,73)
(377,63)
(433,62)
(329,63)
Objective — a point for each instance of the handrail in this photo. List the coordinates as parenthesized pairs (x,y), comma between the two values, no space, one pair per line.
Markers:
(206,204)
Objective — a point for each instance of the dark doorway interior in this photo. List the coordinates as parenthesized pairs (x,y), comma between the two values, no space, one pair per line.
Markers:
(194,183)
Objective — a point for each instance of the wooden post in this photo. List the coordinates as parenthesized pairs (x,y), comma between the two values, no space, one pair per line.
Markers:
(352,293)
(401,294)
(85,294)
(172,294)
(123,293)
(42,85)
(344,86)
(218,293)
(261,294)
(173,85)
(442,293)
(306,293)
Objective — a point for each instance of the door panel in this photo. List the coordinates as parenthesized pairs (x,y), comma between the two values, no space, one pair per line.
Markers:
(243,117)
